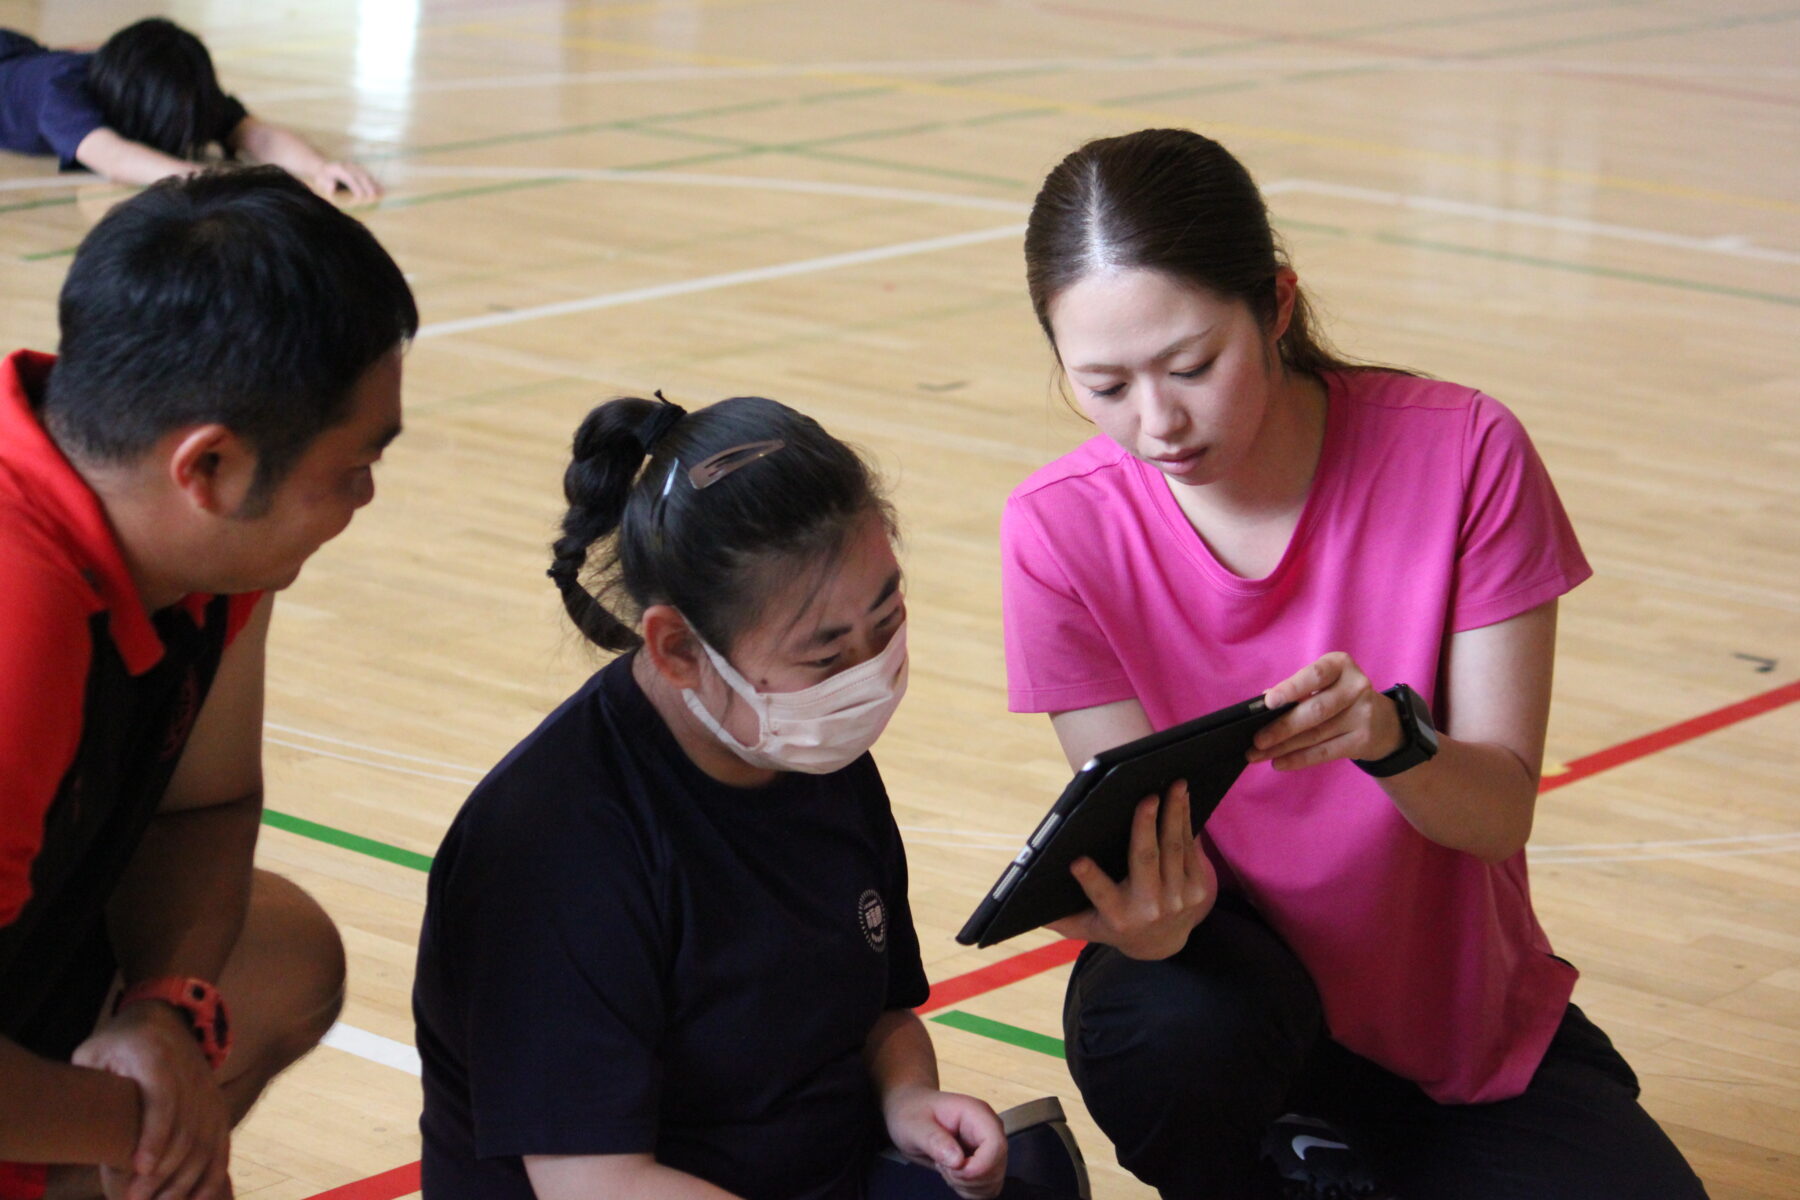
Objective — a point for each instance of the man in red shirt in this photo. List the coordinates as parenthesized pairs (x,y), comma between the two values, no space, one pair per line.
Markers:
(229,374)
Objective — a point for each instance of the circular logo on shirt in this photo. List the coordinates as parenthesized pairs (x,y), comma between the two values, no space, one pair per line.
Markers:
(872,913)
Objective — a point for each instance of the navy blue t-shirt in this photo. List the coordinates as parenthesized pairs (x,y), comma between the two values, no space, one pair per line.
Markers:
(622,955)
(45,104)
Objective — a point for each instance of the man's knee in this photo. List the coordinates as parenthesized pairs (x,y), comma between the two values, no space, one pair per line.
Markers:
(286,975)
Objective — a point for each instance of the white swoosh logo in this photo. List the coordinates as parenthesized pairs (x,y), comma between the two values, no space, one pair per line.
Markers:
(1304,1143)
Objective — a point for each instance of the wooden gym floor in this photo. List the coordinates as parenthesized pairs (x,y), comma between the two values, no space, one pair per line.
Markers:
(1589,208)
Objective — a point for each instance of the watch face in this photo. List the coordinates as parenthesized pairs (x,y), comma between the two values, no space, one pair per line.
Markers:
(1425,732)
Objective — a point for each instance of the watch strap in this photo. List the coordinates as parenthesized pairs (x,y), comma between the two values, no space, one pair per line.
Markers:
(199,1002)
(1416,745)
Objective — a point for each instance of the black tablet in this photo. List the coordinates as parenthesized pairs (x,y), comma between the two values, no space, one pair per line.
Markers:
(1093,816)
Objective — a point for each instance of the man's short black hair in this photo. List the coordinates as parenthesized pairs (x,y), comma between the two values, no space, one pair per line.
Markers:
(235,297)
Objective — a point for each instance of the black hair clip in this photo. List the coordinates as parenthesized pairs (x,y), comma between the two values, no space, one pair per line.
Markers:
(662,418)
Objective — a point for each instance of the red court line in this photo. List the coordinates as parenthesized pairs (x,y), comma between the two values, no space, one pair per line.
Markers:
(1674,735)
(403,1181)
(389,1185)
(997,975)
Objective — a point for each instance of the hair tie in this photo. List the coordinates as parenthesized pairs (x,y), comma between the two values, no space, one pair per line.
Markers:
(661,419)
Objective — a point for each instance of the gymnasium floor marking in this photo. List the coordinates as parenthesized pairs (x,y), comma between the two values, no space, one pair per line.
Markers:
(812,187)
(1224,129)
(1553,778)
(1194,60)
(1728,245)
(1533,260)
(374,1047)
(709,283)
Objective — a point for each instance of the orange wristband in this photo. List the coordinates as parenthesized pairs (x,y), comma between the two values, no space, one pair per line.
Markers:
(196,1000)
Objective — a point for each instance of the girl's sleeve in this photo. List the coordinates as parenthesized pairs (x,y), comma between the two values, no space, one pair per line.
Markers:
(1516,547)
(67,112)
(1058,657)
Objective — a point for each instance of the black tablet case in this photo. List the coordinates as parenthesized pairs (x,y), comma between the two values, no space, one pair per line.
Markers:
(1093,816)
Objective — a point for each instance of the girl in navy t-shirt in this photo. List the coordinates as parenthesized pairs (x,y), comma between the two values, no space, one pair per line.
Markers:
(144,106)
(667,943)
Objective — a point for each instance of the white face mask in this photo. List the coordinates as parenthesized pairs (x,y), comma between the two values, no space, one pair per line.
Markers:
(819,729)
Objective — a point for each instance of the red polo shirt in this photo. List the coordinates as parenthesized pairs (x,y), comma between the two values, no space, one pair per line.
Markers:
(60,568)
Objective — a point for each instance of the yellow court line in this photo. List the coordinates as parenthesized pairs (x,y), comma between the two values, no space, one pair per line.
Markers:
(1153,117)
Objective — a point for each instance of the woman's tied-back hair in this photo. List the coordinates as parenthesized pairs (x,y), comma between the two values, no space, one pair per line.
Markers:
(641,533)
(1172,201)
(155,84)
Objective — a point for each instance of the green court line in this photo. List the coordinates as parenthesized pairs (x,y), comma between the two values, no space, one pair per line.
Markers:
(1182,93)
(826,334)
(878,89)
(41,255)
(1334,35)
(52,202)
(1313,76)
(1636,35)
(617,123)
(1000,1031)
(486,189)
(1553,264)
(345,841)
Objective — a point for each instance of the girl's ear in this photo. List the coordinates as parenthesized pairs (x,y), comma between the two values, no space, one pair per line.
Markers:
(672,647)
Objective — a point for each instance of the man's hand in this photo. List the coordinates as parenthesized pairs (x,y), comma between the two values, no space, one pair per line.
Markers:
(184,1141)
(959,1135)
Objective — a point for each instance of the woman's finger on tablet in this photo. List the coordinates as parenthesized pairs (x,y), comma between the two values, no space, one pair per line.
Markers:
(1177,838)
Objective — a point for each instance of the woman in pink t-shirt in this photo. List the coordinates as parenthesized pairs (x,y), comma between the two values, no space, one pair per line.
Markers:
(1355,939)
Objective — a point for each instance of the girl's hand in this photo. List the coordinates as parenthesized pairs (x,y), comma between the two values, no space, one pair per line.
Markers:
(1339,715)
(1169,890)
(347,175)
(959,1135)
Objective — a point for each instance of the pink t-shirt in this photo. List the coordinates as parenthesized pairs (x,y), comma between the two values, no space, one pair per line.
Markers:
(1430,513)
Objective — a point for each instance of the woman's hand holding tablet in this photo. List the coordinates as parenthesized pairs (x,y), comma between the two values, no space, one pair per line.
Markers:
(1170,887)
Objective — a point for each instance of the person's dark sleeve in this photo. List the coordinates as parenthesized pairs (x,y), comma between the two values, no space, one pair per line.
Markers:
(67,112)
(554,913)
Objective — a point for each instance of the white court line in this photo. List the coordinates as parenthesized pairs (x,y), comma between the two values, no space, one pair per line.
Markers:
(1730,245)
(44,182)
(374,1047)
(1718,841)
(351,758)
(337,741)
(1551,861)
(817,187)
(709,283)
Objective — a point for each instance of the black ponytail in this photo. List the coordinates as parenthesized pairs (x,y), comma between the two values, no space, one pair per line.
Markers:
(717,553)
(155,84)
(607,458)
